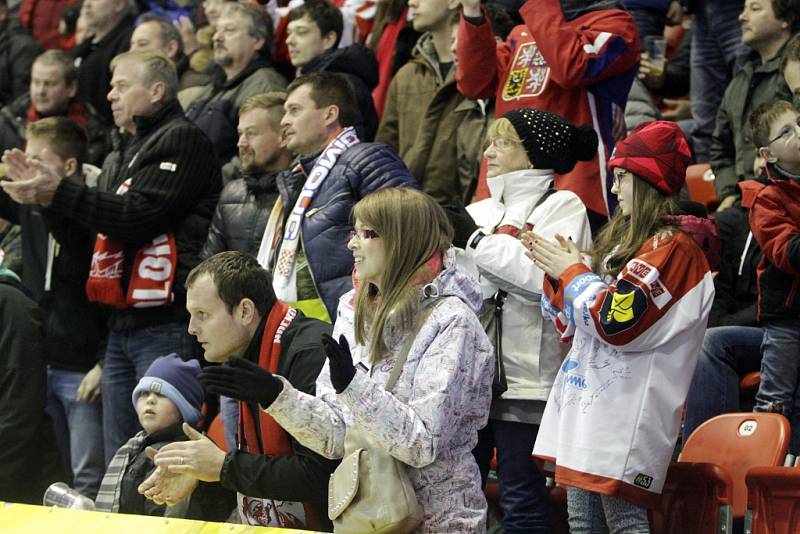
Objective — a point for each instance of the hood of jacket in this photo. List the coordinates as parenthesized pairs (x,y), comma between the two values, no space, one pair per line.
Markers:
(425,51)
(355,60)
(453,281)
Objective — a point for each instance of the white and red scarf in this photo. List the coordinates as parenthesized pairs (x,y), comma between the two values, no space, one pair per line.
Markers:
(285,275)
(152,277)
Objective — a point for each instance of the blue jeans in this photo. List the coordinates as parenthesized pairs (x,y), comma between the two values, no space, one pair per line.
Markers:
(780,373)
(128,355)
(229,412)
(79,430)
(728,353)
(716,41)
(593,513)
(523,496)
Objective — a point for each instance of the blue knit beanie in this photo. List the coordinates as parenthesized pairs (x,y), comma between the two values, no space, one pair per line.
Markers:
(176,380)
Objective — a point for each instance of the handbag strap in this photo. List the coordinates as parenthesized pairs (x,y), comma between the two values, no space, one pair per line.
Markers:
(412,335)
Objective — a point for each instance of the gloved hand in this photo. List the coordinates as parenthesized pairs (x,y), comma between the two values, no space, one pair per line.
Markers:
(340,361)
(463,224)
(242,380)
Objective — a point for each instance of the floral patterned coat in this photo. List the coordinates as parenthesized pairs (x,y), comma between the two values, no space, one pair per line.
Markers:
(431,420)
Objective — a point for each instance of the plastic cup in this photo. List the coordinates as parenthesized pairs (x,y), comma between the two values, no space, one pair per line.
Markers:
(62,496)
(656,48)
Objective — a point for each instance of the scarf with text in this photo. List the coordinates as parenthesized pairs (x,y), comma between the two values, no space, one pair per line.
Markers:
(285,275)
(260,434)
(152,277)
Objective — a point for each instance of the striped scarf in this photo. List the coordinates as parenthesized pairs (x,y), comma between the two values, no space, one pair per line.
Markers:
(108,496)
(284,280)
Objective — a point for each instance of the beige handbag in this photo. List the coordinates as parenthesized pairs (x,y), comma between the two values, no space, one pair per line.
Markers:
(370,492)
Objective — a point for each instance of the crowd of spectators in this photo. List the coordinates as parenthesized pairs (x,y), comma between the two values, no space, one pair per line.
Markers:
(230,183)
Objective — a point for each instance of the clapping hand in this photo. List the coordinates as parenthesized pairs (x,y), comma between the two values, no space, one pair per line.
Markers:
(552,258)
(32,181)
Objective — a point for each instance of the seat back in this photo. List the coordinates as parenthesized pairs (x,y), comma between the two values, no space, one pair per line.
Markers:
(773,495)
(738,442)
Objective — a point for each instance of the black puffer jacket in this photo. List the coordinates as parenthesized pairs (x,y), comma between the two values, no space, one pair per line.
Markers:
(359,65)
(241,215)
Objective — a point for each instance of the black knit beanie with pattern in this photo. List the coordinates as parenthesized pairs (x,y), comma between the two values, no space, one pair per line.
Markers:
(551,141)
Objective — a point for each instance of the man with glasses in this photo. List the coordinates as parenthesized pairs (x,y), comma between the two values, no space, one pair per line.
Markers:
(767,25)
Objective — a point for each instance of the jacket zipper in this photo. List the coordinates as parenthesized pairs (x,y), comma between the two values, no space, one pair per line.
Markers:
(330,201)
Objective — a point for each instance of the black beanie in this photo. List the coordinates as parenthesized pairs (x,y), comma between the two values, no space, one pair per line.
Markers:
(551,141)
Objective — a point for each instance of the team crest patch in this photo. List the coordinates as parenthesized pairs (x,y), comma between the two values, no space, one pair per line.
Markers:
(155,387)
(528,74)
(623,308)
(643,481)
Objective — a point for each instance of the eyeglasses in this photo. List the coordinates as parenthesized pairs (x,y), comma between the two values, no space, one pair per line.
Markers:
(618,178)
(500,143)
(785,134)
(364,233)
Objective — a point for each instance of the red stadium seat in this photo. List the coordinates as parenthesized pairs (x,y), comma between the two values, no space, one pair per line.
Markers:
(706,488)
(700,188)
(773,500)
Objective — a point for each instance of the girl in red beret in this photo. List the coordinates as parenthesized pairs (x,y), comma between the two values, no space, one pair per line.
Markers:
(635,308)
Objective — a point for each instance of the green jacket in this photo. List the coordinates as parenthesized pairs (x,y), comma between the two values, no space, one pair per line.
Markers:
(437,131)
(732,149)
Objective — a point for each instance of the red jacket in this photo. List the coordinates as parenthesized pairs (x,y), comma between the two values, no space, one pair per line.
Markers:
(578,69)
(42,17)
(775,222)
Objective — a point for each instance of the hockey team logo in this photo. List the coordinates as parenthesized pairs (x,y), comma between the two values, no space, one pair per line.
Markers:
(621,309)
(528,74)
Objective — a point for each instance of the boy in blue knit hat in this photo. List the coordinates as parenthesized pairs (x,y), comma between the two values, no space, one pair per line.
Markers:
(168,395)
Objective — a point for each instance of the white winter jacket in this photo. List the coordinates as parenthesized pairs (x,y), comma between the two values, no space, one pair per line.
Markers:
(431,420)
(532,353)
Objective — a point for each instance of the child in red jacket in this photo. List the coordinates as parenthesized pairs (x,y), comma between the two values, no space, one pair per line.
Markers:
(774,205)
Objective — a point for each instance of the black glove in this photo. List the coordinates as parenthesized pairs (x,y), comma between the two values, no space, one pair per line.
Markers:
(340,361)
(463,224)
(242,380)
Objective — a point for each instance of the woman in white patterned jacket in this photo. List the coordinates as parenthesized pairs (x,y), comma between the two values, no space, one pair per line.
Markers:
(430,420)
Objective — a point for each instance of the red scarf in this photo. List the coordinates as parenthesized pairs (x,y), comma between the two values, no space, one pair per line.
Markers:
(274,440)
(152,277)
(76,112)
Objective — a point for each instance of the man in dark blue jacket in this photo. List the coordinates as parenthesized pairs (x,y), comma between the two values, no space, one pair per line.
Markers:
(305,242)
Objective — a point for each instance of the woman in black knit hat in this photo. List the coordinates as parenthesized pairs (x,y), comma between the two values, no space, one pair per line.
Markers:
(525,148)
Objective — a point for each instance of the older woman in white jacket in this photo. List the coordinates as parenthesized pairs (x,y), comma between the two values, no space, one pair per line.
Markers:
(526,149)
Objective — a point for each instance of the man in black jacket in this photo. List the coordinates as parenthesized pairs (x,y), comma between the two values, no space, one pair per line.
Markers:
(55,267)
(151,210)
(28,456)
(237,319)
(245,203)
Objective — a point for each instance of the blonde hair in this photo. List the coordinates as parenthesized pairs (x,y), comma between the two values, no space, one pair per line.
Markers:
(271,102)
(156,67)
(413,228)
(502,127)
(620,240)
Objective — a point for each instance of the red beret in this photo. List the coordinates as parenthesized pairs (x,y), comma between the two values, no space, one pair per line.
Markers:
(656,152)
